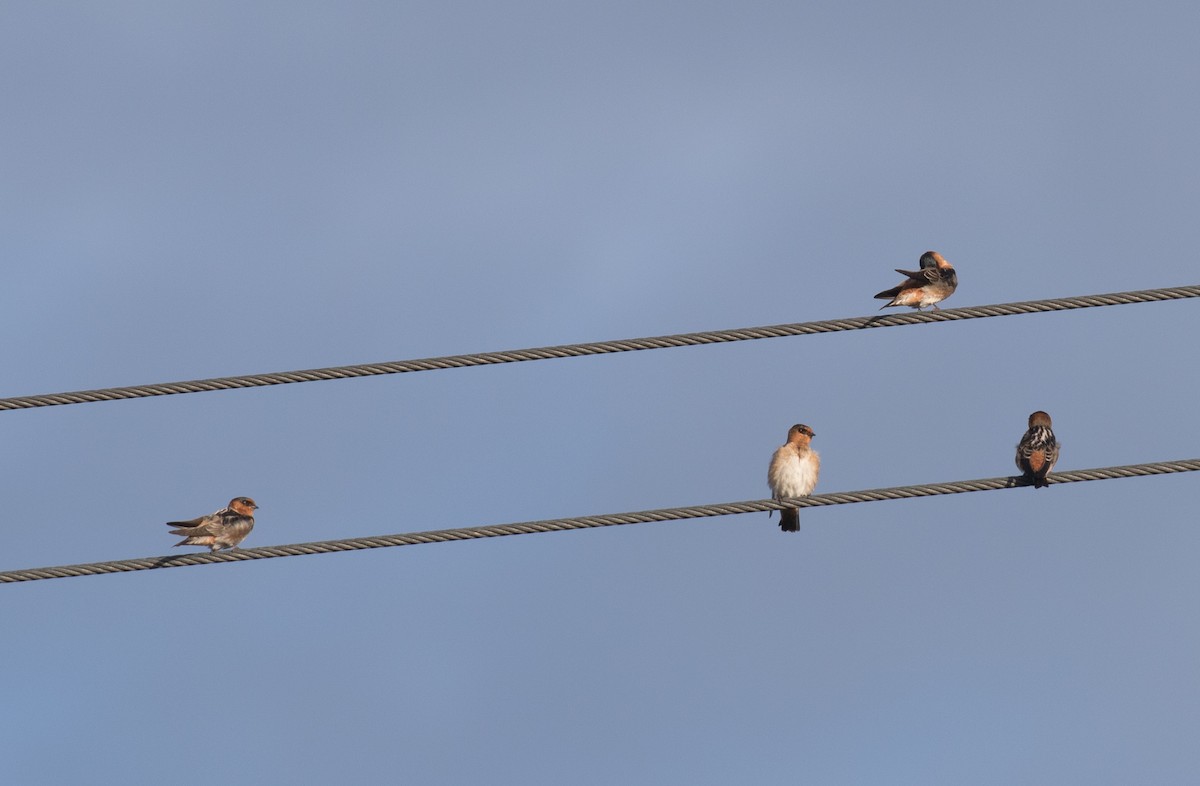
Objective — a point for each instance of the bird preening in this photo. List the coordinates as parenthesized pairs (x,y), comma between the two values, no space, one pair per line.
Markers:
(224,529)
(934,282)
(793,473)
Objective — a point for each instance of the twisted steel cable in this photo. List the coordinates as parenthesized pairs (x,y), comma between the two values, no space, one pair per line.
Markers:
(599,348)
(586,522)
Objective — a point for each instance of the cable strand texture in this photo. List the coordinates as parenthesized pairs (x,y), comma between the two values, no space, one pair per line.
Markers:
(587,522)
(598,348)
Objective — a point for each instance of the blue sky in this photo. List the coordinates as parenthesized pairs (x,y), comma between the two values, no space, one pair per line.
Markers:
(196,190)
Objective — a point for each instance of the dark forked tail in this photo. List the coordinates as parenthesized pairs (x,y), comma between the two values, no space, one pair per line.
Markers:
(789,519)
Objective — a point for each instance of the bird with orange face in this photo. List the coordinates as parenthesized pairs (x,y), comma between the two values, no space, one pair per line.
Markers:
(793,473)
(1037,452)
(933,283)
(224,529)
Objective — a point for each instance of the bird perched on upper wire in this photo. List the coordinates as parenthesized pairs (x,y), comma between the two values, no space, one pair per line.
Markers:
(1037,452)
(224,529)
(793,473)
(933,283)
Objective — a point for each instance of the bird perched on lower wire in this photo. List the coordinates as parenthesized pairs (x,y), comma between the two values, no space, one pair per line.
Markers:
(793,473)
(1037,451)
(933,283)
(224,529)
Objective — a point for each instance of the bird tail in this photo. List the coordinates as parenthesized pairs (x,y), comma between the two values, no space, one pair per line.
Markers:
(789,519)
(889,293)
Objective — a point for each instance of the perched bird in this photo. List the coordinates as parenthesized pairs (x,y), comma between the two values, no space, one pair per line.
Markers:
(793,473)
(224,529)
(933,283)
(1037,451)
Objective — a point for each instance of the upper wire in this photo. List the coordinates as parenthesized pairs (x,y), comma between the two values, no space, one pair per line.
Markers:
(598,348)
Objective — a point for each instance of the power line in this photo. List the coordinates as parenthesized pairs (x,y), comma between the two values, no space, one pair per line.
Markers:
(587,522)
(598,348)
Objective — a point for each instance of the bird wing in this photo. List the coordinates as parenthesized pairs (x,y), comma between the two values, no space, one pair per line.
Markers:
(205,525)
(919,277)
(201,526)
(1052,455)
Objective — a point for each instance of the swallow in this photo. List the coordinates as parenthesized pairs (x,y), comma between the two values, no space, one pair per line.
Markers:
(793,473)
(1037,451)
(224,529)
(933,283)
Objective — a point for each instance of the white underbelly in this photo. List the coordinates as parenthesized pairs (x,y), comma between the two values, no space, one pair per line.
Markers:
(796,477)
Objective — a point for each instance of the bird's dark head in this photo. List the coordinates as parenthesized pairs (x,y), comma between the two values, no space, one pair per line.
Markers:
(934,259)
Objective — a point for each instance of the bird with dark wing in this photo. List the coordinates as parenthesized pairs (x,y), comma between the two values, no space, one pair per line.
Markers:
(224,529)
(1037,452)
(933,283)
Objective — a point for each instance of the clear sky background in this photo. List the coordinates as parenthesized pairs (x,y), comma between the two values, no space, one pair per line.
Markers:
(207,189)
